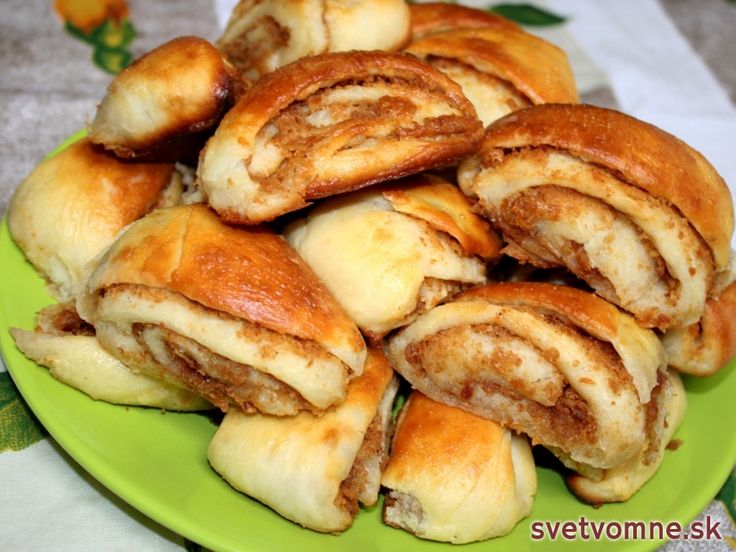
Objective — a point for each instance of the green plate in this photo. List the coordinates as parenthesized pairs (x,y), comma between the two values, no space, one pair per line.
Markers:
(157,461)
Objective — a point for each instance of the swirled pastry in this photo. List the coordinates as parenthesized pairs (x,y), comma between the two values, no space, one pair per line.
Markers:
(556,363)
(455,477)
(434,17)
(640,216)
(665,413)
(500,69)
(391,252)
(71,207)
(313,470)
(232,314)
(330,124)
(68,347)
(166,103)
(703,348)
(263,35)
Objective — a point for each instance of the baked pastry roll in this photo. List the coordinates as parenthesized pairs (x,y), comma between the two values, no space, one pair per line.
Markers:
(263,35)
(232,314)
(556,363)
(455,477)
(165,105)
(434,17)
(313,470)
(391,252)
(665,413)
(500,69)
(640,216)
(703,348)
(330,124)
(67,346)
(71,207)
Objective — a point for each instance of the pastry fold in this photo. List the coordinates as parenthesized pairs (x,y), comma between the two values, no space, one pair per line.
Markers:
(558,364)
(263,35)
(500,69)
(391,252)
(455,477)
(640,216)
(665,413)
(434,17)
(69,209)
(232,314)
(703,348)
(331,124)
(67,346)
(313,470)
(165,105)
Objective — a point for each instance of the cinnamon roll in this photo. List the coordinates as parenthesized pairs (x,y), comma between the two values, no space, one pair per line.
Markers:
(703,348)
(501,69)
(72,205)
(67,346)
(665,413)
(640,216)
(434,17)
(313,470)
(556,363)
(232,314)
(263,35)
(391,252)
(455,477)
(165,105)
(330,124)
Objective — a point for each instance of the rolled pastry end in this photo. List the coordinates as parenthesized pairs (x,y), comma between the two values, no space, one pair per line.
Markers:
(313,470)
(618,484)
(165,104)
(455,477)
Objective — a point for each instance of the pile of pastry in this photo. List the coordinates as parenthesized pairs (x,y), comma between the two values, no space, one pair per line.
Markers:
(284,224)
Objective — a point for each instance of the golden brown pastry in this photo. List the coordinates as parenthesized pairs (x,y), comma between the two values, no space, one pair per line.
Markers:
(232,314)
(330,124)
(500,69)
(66,345)
(643,218)
(165,105)
(391,252)
(703,348)
(71,207)
(455,477)
(434,17)
(263,35)
(556,363)
(313,470)
(665,413)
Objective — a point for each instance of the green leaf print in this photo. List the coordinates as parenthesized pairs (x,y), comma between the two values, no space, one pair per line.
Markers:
(728,495)
(114,35)
(112,60)
(527,14)
(19,428)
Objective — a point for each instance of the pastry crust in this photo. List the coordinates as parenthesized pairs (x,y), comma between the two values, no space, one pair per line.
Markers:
(630,209)
(389,253)
(501,69)
(263,35)
(555,363)
(433,17)
(455,477)
(313,470)
(166,103)
(330,124)
(229,312)
(71,207)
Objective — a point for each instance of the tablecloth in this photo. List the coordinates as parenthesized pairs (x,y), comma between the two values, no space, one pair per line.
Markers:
(669,62)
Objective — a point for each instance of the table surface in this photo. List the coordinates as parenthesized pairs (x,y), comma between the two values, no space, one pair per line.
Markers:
(669,62)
